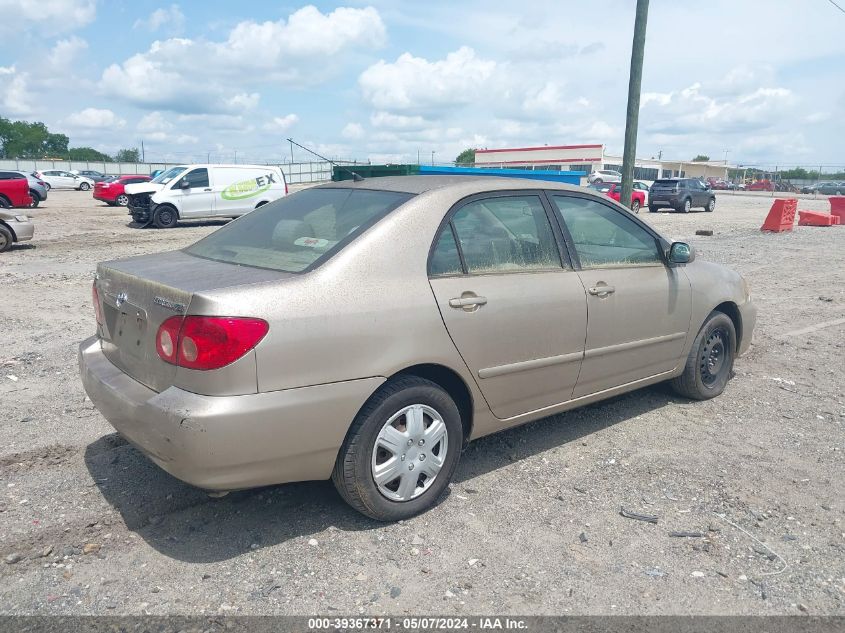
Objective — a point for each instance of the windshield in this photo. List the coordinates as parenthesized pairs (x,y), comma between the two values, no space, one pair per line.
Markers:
(300,230)
(166,176)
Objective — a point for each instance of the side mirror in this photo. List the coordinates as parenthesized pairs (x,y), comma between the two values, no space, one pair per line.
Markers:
(680,253)
(184,184)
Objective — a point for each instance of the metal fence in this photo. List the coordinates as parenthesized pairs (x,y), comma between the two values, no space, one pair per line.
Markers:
(294,172)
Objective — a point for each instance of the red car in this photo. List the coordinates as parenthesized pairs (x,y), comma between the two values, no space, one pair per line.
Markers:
(761,185)
(112,192)
(614,190)
(14,190)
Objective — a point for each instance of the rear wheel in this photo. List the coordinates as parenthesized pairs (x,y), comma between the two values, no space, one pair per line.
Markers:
(122,200)
(401,450)
(687,206)
(165,217)
(653,209)
(35,199)
(6,239)
(84,186)
(710,361)
(47,186)
(597,181)
(711,204)
(635,206)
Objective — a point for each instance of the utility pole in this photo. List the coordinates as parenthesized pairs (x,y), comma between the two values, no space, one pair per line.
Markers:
(236,157)
(634,83)
(291,152)
(142,151)
(432,158)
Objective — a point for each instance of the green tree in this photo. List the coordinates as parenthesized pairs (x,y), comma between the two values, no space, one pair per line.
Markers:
(87,154)
(466,157)
(132,155)
(21,139)
(701,158)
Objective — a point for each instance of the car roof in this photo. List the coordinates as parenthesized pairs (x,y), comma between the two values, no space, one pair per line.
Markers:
(467,185)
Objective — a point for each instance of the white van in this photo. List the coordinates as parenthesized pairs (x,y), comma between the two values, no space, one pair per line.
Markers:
(189,192)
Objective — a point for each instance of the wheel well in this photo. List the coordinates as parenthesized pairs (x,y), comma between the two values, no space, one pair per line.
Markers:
(729,308)
(452,383)
(10,229)
(262,203)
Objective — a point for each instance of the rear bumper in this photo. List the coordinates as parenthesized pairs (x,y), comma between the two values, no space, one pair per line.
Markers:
(104,197)
(23,230)
(227,442)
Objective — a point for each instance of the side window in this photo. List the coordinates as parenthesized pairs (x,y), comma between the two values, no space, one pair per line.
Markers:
(604,237)
(509,233)
(444,258)
(196,178)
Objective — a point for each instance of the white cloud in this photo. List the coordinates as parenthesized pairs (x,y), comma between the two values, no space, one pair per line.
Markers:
(352,131)
(47,17)
(414,83)
(298,51)
(65,52)
(397,121)
(94,118)
(282,123)
(171,18)
(15,97)
(154,122)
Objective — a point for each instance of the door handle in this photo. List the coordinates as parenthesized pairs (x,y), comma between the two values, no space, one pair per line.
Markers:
(467,302)
(207,189)
(601,290)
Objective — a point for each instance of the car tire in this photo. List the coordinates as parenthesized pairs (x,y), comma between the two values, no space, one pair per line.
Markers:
(165,217)
(6,238)
(687,206)
(84,186)
(710,362)
(47,186)
(711,205)
(635,206)
(122,200)
(653,209)
(354,473)
(36,199)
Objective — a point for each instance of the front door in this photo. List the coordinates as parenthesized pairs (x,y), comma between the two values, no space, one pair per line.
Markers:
(196,200)
(515,312)
(638,307)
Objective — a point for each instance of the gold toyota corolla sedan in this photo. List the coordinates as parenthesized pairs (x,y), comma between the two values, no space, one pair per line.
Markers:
(366,331)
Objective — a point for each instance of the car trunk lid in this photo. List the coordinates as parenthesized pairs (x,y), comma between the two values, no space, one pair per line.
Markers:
(137,295)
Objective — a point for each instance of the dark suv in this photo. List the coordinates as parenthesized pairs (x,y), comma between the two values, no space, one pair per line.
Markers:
(681,194)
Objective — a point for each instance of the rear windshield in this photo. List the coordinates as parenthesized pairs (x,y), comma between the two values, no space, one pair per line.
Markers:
(299,230)
(665,183)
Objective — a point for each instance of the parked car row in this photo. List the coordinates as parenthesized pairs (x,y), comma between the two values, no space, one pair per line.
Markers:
(830,187)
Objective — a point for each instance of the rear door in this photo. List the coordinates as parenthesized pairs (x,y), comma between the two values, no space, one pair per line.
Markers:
(510,300)
(639,308)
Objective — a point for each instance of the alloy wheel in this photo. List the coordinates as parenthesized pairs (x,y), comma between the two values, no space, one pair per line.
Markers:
(409,452)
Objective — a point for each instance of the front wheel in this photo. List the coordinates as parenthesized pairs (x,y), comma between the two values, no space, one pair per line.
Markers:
(47,186)
(711,205)
(687,206)
(122,200)
(653,209)
(165,217)
(84,186)
(635,206)
(710,361)
(6,239)
(401,450)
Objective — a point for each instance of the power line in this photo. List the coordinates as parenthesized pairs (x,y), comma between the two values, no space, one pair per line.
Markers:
(836,5)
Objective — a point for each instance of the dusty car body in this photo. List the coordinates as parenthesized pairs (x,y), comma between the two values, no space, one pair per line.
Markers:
(370,329)
(15,226)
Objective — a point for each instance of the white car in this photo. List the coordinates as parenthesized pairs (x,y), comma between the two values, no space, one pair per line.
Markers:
(641,185)
(604,175)
(60,179)
(192,192)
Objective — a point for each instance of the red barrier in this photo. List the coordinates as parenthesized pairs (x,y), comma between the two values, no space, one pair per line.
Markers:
(837,207)
(781,216)
(816,218)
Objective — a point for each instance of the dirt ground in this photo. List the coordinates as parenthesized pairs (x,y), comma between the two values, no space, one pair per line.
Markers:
(531,523)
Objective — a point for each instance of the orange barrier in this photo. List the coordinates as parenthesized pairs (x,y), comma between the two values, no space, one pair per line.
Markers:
(781,216)
(837,207)
(817,218)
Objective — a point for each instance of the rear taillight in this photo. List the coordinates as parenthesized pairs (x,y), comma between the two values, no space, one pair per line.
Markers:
(95,298)
(200,342)
(43,184)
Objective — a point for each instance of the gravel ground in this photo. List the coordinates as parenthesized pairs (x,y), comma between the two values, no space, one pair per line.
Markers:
(531,524)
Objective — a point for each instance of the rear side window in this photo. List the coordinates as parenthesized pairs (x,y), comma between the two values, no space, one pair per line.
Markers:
(508,233)
(445,259)
(298,231)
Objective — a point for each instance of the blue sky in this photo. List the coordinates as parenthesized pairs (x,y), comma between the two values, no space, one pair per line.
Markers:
(388,80)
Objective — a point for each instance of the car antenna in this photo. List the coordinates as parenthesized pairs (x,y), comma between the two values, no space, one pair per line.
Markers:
(355,177)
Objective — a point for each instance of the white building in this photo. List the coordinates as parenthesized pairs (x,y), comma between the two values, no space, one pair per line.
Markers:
(588,158)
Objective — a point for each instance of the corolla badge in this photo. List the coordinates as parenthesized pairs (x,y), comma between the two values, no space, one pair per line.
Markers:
(170,305)
(120,299)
